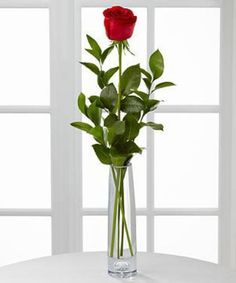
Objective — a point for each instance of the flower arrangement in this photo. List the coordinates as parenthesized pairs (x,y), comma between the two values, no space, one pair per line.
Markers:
(117,112)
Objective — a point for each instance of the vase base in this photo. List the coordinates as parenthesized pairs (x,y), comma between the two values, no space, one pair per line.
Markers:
(122,274)
(123,267)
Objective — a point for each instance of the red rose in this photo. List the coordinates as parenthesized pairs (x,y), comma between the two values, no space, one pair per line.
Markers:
(119,23)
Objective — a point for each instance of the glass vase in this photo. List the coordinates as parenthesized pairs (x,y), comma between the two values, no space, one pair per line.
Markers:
(121,223)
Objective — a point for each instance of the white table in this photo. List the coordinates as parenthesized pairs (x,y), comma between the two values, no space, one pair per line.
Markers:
(91,268)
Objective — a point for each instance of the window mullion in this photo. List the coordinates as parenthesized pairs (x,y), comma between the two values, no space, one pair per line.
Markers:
(225,248)
(153,3)
(159,211)
(188,109)
(150,140)
(25,109)
(24,3)
(64,208)
(25,212)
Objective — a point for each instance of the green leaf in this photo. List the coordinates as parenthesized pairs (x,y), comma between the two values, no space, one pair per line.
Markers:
(125,44)
(93,53)
(119,159)
(146,74)
(130,147)
(142,94)
(110,120)
(81,103)
(132,104)
(109,96)
(130,79)
(154,126)
(105,53)
(131,127)
(147,83)
(161,85)
(96,98)
(100,79)
(108,74)
(94,45)
(82,126)
(103,153)
(93,98)
(97,133)
(115,131)
(94,113)
(92,67)
(151,105)
(156,64)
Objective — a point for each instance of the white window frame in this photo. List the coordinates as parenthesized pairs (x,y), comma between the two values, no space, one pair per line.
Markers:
(67,211)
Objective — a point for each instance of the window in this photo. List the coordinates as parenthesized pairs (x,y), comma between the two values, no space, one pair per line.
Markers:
(25,165)
(186,195)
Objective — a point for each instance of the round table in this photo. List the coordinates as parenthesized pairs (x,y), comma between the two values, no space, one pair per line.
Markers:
(91,268)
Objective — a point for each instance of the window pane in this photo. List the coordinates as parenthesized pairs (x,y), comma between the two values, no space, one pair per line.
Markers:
(141,233)
(186,160)
(189,39)
(24,238)
(24,56)
(191,236)
(94,233)
(97,225)
(140,172)
(25,161)
(95,176)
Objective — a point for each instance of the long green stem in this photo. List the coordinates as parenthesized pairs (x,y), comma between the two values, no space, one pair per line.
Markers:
(114,217)
(123,224)
(120,72)
(119,183)
(118,224)
(126,229)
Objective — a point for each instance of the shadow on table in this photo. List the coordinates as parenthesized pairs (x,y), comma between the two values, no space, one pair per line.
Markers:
(139,278)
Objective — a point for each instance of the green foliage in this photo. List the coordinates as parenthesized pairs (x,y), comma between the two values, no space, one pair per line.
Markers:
(132,104)
(97,133)
(130,79)
(97,52)
(110,120)
(117,111)
(92,67)
(109,96)
(115,131)
(103,153)
(156,64)
(161,85)
(153,125)
(81,104)
(109,74)
(82,126)
(105,53)
(131,127)
(94,113)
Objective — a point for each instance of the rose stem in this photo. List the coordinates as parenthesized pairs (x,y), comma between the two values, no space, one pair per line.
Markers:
(117,198)
(118,208)
(114,214)
(123,203)
(120,72)
(126,228)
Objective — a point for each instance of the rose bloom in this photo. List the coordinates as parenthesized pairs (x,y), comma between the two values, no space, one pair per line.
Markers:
(119,23)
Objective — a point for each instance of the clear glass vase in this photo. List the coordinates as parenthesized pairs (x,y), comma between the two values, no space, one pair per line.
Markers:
(121,223)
